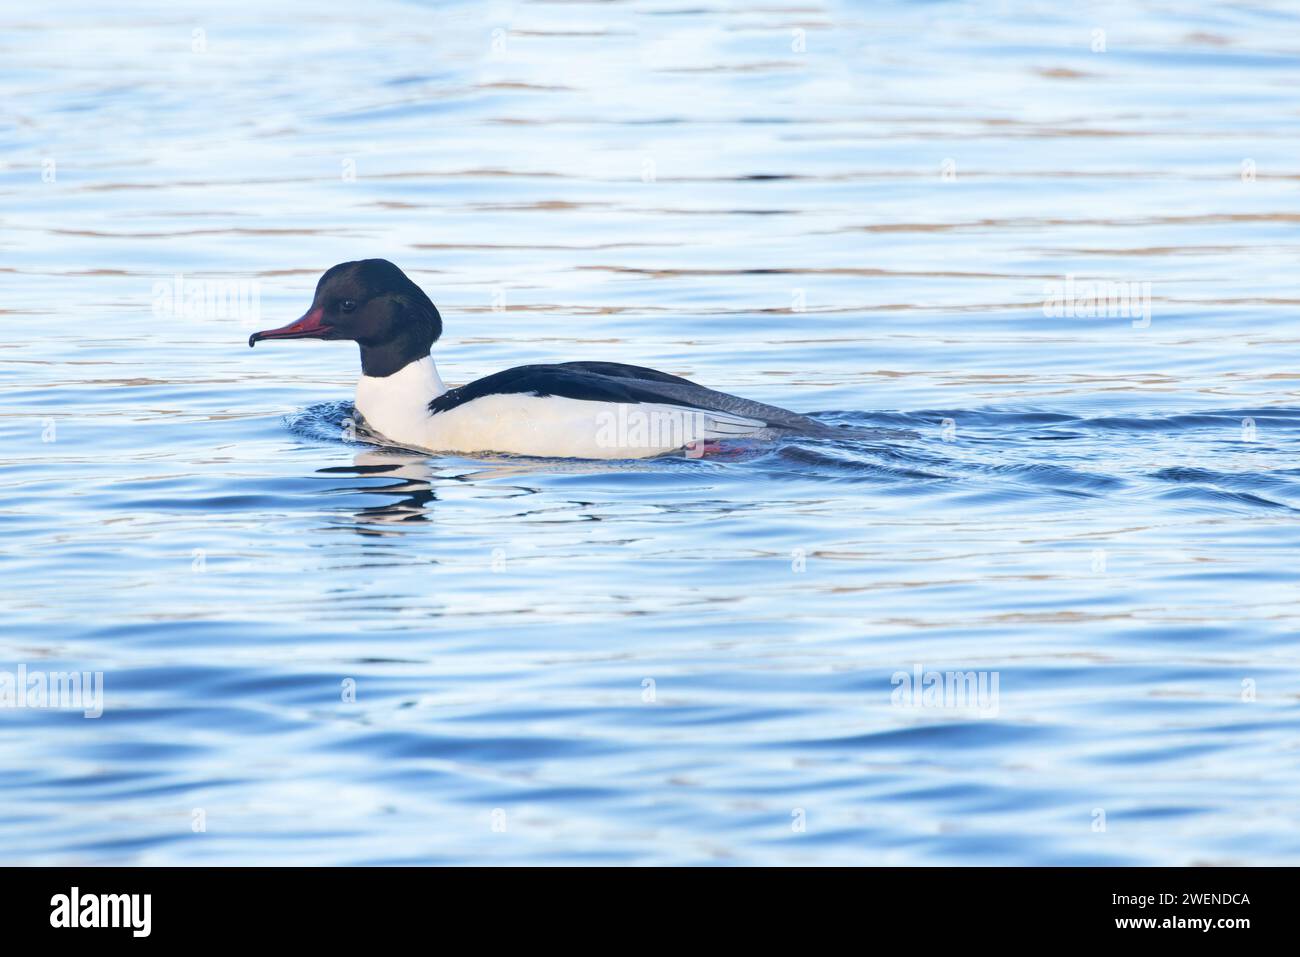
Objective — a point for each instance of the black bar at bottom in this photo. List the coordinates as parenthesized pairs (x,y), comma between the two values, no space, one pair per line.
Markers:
(332,906)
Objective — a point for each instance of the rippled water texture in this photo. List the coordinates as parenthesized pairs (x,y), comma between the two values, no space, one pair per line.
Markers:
(856,210)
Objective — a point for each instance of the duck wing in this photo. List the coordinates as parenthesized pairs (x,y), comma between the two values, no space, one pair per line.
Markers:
(619,382)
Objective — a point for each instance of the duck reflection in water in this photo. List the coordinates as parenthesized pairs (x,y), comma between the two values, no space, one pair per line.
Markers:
(404,500)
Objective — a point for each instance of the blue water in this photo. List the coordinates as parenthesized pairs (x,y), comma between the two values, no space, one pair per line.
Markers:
(844,208)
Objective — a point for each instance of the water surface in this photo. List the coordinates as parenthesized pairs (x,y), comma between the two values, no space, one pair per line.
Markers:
(850,209)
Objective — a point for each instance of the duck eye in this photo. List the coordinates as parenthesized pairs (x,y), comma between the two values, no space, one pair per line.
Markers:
(347,305)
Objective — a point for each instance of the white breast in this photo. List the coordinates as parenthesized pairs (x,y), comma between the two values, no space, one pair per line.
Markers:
(397,406)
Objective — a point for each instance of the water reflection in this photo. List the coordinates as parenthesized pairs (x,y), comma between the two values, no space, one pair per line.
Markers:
(411,494)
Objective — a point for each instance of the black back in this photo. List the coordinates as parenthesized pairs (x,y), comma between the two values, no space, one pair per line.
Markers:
(593,381)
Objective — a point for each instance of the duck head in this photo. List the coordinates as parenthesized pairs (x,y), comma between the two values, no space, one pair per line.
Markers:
(372,303)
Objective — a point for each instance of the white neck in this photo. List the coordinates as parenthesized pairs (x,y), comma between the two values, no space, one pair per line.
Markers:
(397,405)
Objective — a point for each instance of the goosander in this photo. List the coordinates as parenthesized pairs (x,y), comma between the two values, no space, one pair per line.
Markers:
(591,410)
